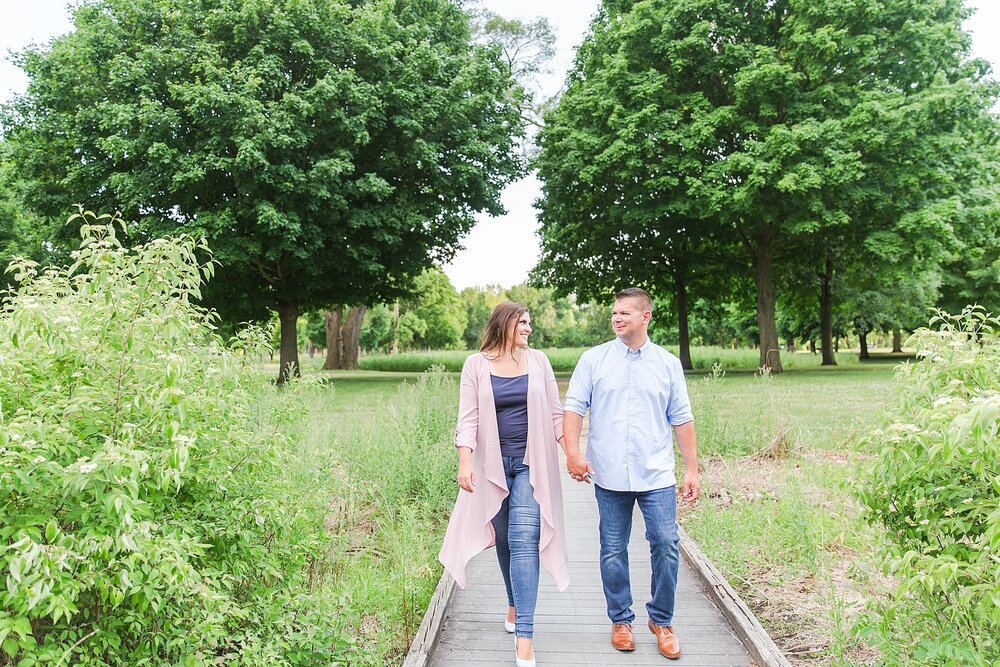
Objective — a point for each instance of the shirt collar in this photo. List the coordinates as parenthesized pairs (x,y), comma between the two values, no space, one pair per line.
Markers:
(624,349)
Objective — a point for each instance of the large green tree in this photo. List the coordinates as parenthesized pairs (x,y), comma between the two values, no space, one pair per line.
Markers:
(435,313)
(613,211)
(329,150)
(770,122)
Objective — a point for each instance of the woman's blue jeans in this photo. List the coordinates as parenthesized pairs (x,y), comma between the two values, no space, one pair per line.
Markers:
(659,511)
(518,526)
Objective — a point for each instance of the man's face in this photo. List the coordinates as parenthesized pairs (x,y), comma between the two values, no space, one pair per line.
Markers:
(628,318)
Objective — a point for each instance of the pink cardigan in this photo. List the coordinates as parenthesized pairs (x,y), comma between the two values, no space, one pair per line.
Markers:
(470,530)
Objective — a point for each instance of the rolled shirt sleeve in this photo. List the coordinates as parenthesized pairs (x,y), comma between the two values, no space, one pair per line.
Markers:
(580,387)
(679,408)
(468,407)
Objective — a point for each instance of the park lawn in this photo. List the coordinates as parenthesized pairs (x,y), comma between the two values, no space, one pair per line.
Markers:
(777,515)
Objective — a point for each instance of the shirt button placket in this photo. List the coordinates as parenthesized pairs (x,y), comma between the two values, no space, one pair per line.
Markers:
(630,446)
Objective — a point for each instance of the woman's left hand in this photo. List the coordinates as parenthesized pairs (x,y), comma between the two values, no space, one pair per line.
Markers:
(466,476)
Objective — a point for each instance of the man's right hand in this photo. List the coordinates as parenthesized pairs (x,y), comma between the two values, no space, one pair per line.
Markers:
(578,466)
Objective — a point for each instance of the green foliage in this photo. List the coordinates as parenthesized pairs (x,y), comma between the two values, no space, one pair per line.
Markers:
(935,489)
(478,305)
(435,316)
(377,330)
(329,150)
(146,518)
(19,226)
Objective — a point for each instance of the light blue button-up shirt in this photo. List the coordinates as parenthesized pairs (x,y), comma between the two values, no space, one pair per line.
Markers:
(634,399)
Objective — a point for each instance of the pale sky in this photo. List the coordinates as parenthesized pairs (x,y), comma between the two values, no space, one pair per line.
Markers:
(499,251)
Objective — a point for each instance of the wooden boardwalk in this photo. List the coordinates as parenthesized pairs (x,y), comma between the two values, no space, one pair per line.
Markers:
(572,627)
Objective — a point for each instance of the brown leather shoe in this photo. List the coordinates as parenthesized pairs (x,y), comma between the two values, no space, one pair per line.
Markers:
(666,640)
(621,637)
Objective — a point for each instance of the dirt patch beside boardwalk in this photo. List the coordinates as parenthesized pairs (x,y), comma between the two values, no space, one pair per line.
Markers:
(809,610)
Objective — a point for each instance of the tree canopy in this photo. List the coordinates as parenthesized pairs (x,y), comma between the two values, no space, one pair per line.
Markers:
(759,125)
(328,150)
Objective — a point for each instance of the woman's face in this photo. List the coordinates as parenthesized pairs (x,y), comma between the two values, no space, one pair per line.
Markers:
(519,329)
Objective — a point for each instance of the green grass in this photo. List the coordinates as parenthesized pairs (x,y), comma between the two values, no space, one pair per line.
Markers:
(778,515)
(821,408)
(564,360)
(376,449)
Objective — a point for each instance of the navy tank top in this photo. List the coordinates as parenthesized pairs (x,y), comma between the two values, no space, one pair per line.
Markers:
(510,396)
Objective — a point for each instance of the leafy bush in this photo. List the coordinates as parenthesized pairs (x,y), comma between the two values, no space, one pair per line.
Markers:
(143,514)
(935,489)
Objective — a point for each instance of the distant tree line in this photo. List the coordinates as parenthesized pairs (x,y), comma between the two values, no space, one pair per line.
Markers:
(436,316)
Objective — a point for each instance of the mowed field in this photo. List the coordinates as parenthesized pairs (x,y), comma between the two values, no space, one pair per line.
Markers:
(779,457)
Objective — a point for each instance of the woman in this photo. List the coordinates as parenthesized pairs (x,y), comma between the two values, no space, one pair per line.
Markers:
(509,422)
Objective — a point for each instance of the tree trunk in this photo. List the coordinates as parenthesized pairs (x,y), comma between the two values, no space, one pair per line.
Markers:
(770,355)
(395,328)
(863,345)
(683,334)
(288,361)
(791,344)
(897,340)
(812,346)
(826,315)
(333,342)
(836,344)
(350,337)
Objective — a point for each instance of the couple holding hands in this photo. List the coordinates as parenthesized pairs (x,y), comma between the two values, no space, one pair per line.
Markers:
(509,424)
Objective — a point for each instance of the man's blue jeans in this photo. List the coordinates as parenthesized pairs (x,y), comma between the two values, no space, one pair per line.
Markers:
(659,511)
(518,527)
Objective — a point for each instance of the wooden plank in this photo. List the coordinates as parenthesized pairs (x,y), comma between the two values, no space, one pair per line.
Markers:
(746,625)
(430,627)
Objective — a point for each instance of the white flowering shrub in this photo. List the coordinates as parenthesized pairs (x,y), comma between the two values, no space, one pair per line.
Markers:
(935,489)
(142,515)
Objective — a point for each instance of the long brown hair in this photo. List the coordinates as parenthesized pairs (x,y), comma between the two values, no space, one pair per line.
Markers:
(495,334)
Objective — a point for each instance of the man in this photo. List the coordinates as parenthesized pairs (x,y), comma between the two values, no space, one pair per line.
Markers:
(636,394)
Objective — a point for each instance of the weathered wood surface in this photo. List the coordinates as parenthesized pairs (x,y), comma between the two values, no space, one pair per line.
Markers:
(572,627)
(429,631)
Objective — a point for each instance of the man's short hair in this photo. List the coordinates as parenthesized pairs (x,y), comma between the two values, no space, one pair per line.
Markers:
(636,293)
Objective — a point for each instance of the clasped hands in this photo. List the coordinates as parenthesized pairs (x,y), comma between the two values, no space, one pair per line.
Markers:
(579,467)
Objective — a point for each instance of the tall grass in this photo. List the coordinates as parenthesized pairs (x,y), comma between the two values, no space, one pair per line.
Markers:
(762,428)
(381,460)
(777,519)
(564,360)
(777,514)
